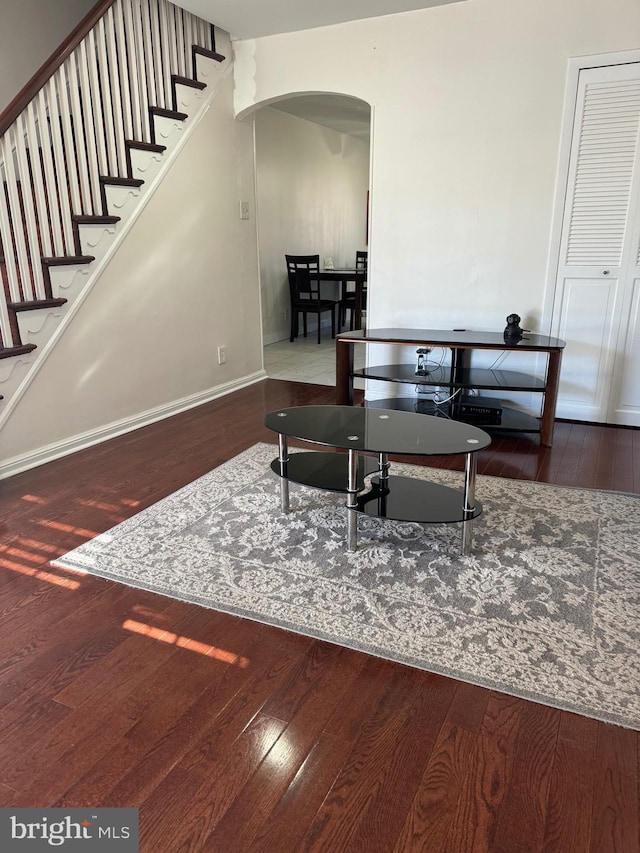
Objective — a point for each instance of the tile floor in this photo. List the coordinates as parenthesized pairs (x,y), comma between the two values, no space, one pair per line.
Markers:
(306,360)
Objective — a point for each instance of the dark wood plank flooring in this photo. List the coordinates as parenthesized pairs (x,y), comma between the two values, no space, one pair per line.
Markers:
(233,736)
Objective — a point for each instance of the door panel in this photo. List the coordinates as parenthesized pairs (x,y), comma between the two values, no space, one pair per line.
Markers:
(588,309)
(626,409)
(595,301)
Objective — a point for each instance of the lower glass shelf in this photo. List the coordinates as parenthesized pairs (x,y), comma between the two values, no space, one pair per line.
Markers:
(512,420)
(401,499)
(410,499)
(321,470)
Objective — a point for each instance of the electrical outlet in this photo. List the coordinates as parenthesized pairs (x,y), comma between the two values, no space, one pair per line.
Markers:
(244,210)
(222,355)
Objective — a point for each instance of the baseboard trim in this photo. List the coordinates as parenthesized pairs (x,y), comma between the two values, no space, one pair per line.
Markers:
(88,439)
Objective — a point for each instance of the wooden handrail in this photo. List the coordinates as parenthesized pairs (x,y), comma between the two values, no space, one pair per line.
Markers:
(31,89)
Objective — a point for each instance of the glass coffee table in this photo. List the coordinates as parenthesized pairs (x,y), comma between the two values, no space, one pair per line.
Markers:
(382,432)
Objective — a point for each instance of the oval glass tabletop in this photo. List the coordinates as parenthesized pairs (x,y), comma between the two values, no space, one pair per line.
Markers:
(378,430)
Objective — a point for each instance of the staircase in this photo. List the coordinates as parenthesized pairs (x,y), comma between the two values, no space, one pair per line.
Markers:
(81,149)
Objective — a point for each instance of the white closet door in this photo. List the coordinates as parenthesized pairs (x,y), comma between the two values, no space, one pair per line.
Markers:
(594,297)
(625,400)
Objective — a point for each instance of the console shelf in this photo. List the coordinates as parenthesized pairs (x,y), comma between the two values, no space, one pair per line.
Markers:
(476,377)
(458,376)
(513,420)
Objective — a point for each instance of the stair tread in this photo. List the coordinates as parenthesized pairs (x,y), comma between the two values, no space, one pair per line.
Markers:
(68,259)
(145,146)
(22,349)
(121,182)
(34,304)
(95,220)
(187,81)
(212,54)
(165,113)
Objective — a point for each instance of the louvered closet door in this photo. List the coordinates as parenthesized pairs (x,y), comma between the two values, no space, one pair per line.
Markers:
(597,302)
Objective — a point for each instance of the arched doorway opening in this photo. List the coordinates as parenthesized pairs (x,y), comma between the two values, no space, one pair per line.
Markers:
(312,160)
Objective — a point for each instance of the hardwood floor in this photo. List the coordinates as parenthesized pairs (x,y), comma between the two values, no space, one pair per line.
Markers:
(233,736)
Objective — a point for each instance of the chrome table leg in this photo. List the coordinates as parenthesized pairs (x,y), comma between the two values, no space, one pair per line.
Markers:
(352,502)
(469,498)
(283,458)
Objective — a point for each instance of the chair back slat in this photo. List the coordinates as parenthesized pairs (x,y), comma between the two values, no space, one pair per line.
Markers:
(303,273)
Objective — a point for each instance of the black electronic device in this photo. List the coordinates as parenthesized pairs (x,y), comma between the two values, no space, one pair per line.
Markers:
(423,368)
(512,332)
(488,410)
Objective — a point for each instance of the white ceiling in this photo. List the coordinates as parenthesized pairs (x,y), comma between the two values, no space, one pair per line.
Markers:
(248,19)
(338,112)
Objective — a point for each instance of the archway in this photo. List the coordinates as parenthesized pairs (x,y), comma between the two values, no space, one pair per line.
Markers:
(312,163)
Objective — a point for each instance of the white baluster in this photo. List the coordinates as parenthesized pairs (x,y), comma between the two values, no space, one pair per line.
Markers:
(122,130)
(88,121)
(141,69)
(6,217)
(149,69)
(77,132)
(132,67)
(6,246)
(118,49)
(36,143)
(172,24)
(165,41)
(5,324)
(91,88)
(30,267)
(162,96)
(65,163)
(190,35)
(115,155)
(182,65)
(55,172)
(204,34)
(15,216)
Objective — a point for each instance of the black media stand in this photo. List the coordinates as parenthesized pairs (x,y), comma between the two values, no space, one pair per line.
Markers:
(458,376)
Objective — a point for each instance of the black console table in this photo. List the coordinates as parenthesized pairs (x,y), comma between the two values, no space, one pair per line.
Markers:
(459,375)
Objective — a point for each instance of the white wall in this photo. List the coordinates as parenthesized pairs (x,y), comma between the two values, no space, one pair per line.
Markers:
(312,187)
(468,103)
(31,30)
(183,282)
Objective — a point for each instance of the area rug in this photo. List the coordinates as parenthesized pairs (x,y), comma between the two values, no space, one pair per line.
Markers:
(546,608)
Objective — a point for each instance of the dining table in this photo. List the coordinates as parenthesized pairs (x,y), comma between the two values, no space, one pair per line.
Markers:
(344,276)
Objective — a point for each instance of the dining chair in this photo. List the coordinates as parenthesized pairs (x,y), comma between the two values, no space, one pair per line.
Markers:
(303,272)
(348,299)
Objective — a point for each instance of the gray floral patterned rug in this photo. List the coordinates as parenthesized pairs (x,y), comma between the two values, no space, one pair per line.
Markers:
(547,608)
